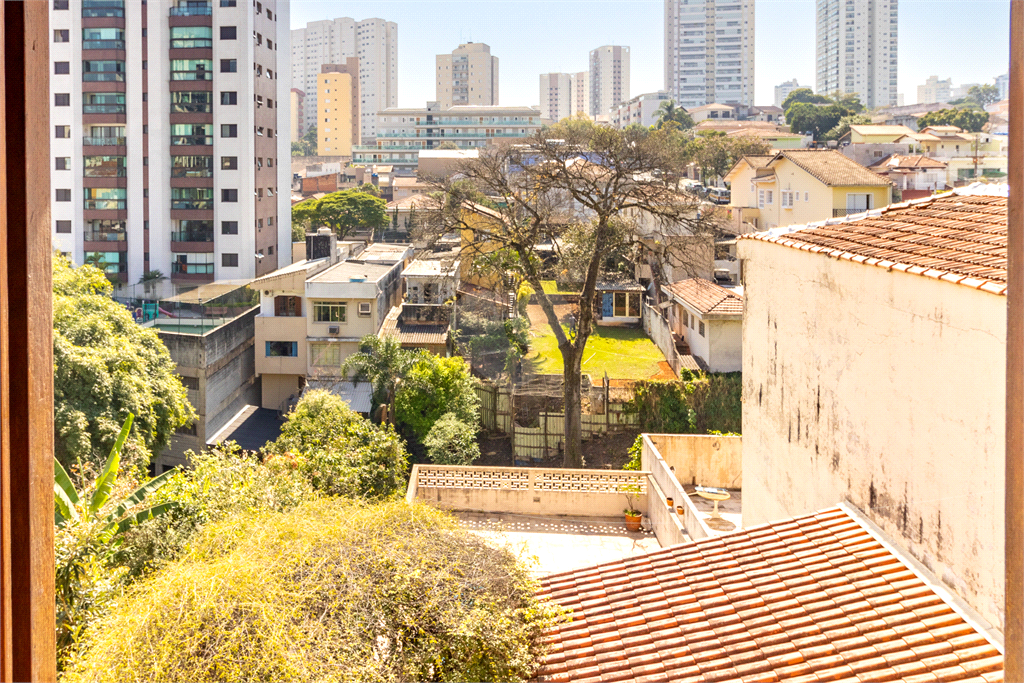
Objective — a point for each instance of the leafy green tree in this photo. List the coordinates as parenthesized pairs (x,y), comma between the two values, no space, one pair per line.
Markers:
(802,95)
(843,127)
(383,362)
(969,120)
(668,111)
(339,452)
(343,211)
(433,387)
(447,145)
(715,152)
(849,101)
(983,94)
(811,118)
(106,366)
(88,530)
(369,188)
(451,442)
(306,145)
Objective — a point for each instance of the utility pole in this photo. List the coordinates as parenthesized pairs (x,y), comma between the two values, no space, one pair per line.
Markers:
(1013,632)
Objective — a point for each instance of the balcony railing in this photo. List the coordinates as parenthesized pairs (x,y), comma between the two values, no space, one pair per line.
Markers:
(191,108)
(104,236)
(102,142)
(191,139)
(192,75)
(103,45)
(105,204)
(101,172)
(192,204)
(185,43)
(102,12)
(103,108)
(182,172)
(192,268)
(839,213)
(192,11)
(102,76)
(192,236)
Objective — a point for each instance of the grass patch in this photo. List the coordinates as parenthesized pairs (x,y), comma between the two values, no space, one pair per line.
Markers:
(622,352)
(552,288)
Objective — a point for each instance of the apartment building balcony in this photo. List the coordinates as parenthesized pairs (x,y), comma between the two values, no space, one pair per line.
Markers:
(192,140)
(102,9)
(114,145)
(192,9)
(197,75)
(103,109)
(196,236)
(117,45)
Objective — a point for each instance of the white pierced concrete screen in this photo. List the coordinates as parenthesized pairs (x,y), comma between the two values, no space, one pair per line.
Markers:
(592,482)
(530,478)
(473,478)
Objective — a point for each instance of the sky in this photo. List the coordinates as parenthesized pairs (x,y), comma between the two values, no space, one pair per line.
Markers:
(967,40)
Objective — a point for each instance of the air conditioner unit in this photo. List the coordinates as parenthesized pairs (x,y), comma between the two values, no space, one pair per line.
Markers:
(266,292)
(334,329)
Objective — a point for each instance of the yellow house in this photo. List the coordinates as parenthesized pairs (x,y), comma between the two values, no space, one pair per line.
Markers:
(801,186)
(478,222)
(872,134)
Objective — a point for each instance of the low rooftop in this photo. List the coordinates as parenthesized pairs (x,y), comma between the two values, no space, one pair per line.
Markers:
(706,297)
(430,268)
(353,271)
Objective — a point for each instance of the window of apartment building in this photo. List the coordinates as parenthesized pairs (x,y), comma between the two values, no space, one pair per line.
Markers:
(288,306)
(62,163)
(259,38)
(326,355)
(62,131)
(183,37)
(102,70)
(103,39)
(229,97)
(259,8)
(270,103)
(270,162)
(190,166)
(60,4)
(62,99)
(193,231)
(282,349)
(191,102)
(259,193)
(110,262)
(229,260)
(700,328)
(228,163)
(228,66)
(259,131)
(62,35)
(325,312)
(63,227)
(63,195)
(104,167)
(270,250)
(259,223)
(229,227)
(270,220)
(228,130)
(192,263)
(192,69)
(97,230)
(227,3)
(228,32)
(229,195)
(192,198)
(145,33)
(61,68)
(270,132)
(191,133)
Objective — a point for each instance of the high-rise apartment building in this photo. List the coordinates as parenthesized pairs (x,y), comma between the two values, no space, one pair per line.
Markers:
(337,119)
(557,92)
(782,91)
(857,49)
(581,88)
(1003,86)
(169,123)
(298,118)
(935,90)
(709,52)
(609,78)
(373,41)
(467,76)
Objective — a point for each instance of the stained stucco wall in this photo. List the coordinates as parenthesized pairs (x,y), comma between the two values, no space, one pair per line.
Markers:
(884,389)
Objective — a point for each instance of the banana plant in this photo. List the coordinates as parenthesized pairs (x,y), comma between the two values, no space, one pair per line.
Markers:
(70,507)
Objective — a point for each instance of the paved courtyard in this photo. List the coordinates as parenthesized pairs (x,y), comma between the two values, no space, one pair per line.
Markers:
(558,544)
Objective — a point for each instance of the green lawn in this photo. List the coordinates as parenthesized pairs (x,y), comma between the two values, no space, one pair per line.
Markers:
(624,353)
(551,288)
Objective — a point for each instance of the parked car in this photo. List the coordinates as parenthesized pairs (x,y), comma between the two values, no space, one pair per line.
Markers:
(719,195)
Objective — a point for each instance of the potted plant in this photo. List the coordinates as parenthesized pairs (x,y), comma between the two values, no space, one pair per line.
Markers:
(633,515)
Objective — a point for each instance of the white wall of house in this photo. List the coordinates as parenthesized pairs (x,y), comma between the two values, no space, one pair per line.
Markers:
(884,389)
(725,342)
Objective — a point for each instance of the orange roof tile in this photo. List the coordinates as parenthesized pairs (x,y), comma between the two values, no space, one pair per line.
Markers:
(814,598)
(957,237)
(706,297)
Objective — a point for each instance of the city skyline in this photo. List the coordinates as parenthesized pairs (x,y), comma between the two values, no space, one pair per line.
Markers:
(781,25)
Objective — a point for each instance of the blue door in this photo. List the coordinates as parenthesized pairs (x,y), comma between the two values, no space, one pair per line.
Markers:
(607,305)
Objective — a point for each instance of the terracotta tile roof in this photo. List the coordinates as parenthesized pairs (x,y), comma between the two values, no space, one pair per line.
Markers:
(957,237)
(864,129)
(902,161)
(814,598)
(706,297)
(831,167)
(412,334)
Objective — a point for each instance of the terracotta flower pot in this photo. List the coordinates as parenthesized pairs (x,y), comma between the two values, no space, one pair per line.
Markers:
(679,510)
(669,501)
(633,522)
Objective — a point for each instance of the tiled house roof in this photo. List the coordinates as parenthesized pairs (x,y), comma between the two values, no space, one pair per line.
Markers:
(706,297)
(832,168)
(958,237)
(815,598)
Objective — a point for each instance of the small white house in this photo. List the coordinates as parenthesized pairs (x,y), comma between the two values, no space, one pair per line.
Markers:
(619,303)
(430,282)
(710,318)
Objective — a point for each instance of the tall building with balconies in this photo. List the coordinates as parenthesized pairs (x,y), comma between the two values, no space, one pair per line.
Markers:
(169,119)
(373,41)
(557,92)
(467,77)
(709,52)
(609,78)
(857,50)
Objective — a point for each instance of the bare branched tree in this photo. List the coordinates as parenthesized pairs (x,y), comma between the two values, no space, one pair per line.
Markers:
(582,193)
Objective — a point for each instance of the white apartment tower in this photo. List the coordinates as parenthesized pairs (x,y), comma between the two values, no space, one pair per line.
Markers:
(857,50)
(467,76)
(609,78)
(373,41)
(709,52)
(557,92)
(169,123)
(581,88)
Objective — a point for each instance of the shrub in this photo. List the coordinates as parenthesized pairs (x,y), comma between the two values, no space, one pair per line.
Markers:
(635,454)
(451,442)
(339,452)
(696,403)
(330,591)
(433,387)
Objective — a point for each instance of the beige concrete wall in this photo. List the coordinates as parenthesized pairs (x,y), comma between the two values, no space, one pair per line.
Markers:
(702,460)
(885,389)
(280,328)
(277,389)
(725,344)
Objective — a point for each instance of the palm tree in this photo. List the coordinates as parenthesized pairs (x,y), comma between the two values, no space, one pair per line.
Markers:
(383,362)
(668,111)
